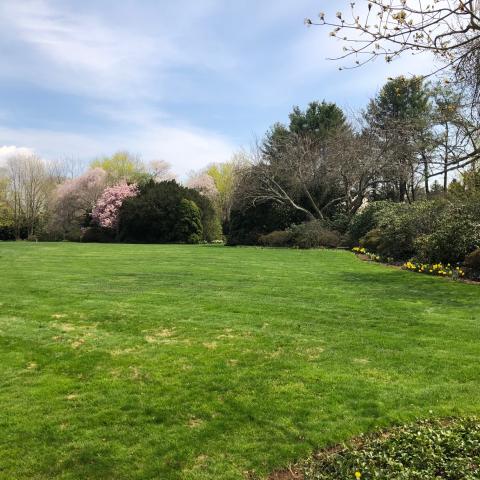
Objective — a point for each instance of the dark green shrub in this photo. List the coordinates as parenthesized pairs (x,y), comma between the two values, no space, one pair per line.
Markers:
(189,227)
(339,223)
(364,221)
(278,238)
(313,235)
(401,224)
(249,223)
(456,234)
(425,450)
(74,235)
(472,260)
(153,216)
(7,233)
(97,234)
(371,241)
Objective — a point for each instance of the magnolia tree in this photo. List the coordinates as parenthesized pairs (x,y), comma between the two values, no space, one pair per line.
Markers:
(105,213)
(74,199)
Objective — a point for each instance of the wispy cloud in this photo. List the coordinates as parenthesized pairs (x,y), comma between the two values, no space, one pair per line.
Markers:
(185,148)
(78,53)
(184,81)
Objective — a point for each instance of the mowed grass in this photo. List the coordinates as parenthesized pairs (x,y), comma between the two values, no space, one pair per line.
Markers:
(201,362)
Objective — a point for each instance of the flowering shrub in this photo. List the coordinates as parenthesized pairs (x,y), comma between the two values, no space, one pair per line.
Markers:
(438,269)
(372,256)
(203,184)
(105,213)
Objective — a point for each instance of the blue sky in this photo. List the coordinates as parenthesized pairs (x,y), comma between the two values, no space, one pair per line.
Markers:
(189,82)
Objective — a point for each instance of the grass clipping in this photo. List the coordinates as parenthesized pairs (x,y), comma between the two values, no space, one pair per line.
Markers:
(428,449)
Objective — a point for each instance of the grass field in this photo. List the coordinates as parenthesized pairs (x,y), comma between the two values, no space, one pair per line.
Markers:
(201,362)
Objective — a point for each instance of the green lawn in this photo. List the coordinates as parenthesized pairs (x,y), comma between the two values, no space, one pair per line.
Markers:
(201,362)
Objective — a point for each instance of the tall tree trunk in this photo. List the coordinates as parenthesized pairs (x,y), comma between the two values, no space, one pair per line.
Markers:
(425,175)
(445,175)
(445,169)
(402,191)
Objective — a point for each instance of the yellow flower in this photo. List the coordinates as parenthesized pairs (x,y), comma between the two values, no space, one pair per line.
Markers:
(358,474)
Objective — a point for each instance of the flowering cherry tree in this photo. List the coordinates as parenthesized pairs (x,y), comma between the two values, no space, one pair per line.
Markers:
(204,184)
(108,205)
(74,199)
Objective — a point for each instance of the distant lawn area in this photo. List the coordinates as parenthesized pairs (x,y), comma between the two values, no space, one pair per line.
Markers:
(210,362)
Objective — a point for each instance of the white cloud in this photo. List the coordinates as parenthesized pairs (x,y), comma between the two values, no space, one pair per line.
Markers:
(92,54)
(184,148)
(120,68)
(143,67)
(10,151)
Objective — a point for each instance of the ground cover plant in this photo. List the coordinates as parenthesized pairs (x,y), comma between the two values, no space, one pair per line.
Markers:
(424,450)
(199,362)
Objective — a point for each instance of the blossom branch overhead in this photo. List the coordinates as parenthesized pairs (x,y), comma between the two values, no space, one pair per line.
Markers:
(449,29)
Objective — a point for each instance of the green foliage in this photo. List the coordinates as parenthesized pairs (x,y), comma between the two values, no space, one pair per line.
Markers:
(372,240)
(247,225)
(320,118)
(364,221)
(188,227)
(314,234)
(425,450)
(455,234)
(277,238)
(211,226)
(441,230)
(121,166)
(311,234)
(7,233)
(225,178)
(339,222)
(156,215)
(471,180)
(96,234)
(401,98)
(7,230)
(472,260)
(400,224)
(400,117)
(275,140)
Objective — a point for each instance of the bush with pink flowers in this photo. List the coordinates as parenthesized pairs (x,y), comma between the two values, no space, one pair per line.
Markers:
(105,213)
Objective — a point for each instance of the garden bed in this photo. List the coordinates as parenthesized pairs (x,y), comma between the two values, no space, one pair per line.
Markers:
(426,449)
(401,266)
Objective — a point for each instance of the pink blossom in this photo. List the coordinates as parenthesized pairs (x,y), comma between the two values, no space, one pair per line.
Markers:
(73,199)
(204,184)
(108,205)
